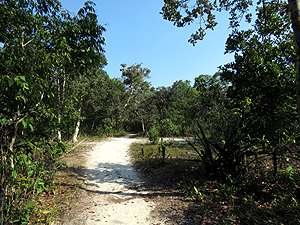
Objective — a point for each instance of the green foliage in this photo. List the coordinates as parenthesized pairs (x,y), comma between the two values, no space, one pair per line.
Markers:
(206,155)
(133,76)
(167,128)
(210,104)
(52,77)
(256,197)
(136,95)
(99,99)
(180,103)
(43,49)
(32,175)
(262,76)
(108,127)
(169,109)
(183,13)
(226,157)
(153,135)
(162,149)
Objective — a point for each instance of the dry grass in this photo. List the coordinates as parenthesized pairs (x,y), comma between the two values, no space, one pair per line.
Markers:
(254,198)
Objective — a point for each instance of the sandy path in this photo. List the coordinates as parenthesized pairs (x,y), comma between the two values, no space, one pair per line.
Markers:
(117,192)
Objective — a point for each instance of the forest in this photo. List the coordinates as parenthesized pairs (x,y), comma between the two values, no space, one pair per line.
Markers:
(54,90)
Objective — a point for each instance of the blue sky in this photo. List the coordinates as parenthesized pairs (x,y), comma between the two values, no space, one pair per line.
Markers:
(137,33)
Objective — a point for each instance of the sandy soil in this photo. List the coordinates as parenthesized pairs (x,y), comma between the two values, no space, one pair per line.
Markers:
(115,192)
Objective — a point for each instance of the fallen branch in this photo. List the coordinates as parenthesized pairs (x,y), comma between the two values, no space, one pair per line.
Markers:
(75,146)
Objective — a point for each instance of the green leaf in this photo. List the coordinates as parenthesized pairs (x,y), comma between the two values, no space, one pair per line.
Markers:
(29,204)
(31,127)
(46,211)
(289,169)
(14,173)
(24,123)
(196,190)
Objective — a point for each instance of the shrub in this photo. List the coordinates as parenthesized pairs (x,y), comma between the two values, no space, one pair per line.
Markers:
(153,135)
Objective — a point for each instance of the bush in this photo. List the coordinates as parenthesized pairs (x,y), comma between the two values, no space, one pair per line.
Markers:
(153,135)
(226,157)
(167,128)
(32,174)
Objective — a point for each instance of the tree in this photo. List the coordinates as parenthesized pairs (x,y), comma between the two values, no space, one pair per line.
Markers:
(42,48)
(168,107)
(209,104)
(294,8)
(162,99)
(183,12)
(87,89)
(262,78)
(133,78)
(147,110)
(140,106)
(178,113)
(98,104)
(82,40)
(262,75)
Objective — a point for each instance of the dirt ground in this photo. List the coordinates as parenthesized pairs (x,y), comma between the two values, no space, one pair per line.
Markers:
(105,186)
(109,191)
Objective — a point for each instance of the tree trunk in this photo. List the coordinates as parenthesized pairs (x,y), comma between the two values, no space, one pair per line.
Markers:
(59,132)
(61,98)
(142,121)
(76,131)
(294,6)
(11,145)
(93,124)
(3,186)
(77,127)
(143,125)
(131,92)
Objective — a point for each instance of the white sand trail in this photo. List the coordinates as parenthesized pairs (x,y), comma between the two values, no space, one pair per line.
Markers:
(117,191)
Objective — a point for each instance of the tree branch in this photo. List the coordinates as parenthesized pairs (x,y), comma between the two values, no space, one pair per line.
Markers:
(23,45)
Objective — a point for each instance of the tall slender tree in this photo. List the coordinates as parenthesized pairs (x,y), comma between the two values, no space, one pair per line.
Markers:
(133,78)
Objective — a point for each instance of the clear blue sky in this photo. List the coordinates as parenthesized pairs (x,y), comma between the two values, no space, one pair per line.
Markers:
(137,33)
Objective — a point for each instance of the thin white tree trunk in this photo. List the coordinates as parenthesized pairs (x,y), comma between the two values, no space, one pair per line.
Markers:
(76,131)
(61,98)
(59,132)
(131,92)
(59,113)
(143,125)
(77,127)
(142,120)
(93,124)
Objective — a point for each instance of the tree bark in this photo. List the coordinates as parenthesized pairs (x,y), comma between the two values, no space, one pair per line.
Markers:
(58,131)
(142,120)
(77,127)
(131,92)
(93,124)
(61,98)
(143,125)
(294,7)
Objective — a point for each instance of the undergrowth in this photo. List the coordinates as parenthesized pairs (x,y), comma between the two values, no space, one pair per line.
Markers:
(257,197)
(41,184)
